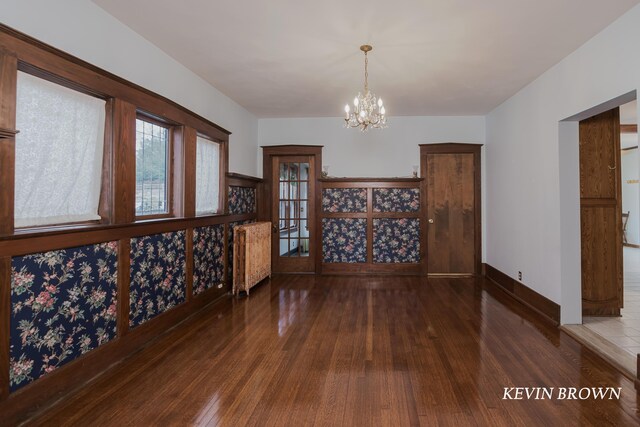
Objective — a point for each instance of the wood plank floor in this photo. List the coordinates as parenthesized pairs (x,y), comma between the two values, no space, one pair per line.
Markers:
(353,351)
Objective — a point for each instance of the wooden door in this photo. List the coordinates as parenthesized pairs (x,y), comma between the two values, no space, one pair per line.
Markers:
(452,174)
(292,213)
(601,214)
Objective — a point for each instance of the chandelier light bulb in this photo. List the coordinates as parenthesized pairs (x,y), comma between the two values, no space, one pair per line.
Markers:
(382,110)
(346,108)
(379,102)
(355,101)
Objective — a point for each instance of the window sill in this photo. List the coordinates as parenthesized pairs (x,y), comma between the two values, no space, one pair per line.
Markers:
(47,231)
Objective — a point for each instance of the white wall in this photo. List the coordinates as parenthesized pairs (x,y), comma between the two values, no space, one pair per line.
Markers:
(81,28)
(388,152)
(529,224)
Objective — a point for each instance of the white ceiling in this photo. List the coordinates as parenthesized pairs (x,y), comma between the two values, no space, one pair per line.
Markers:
(297,58)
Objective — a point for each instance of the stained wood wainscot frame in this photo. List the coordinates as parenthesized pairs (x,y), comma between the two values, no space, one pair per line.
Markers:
(370,267)
(117,207)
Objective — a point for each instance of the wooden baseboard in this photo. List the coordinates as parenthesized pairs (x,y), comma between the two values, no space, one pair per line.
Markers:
(527,296)
(48,390)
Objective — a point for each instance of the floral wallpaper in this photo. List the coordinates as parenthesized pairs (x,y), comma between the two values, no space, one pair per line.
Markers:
(242,200)
(208,257)
(157,275)
(230,251)
(344,240)
(396,240)
(63,304)
(344,200)
(396,199)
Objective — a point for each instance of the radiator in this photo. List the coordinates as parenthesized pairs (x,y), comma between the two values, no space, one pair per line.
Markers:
(251,255)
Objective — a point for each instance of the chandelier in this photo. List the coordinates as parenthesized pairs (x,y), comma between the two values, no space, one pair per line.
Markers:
(368,110)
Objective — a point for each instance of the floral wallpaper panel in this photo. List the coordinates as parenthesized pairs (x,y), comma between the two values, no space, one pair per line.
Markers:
(157,275)
(242,200)
(344,240)
(208,257)
(344,200)
(63,305)
(396,199)
(396,240)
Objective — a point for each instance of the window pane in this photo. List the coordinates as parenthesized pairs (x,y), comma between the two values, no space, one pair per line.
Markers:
(152,145)
(58,153)
(207,176)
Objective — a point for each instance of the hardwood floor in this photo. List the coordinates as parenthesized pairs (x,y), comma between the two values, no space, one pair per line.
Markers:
(359,351)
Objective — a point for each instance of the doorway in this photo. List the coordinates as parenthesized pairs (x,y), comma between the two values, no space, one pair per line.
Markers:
(291,176)
(623,330)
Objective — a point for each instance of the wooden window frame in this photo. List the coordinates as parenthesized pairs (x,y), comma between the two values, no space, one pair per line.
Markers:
(169,181)
(19,52)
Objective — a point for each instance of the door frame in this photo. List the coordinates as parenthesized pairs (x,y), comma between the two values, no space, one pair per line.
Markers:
(454,148)
(270,151)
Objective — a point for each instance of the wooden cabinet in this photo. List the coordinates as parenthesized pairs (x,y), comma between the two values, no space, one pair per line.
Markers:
(452,196)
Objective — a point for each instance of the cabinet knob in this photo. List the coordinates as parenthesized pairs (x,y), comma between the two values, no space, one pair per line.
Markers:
(430,220)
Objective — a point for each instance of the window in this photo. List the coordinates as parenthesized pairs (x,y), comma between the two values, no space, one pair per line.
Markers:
(207,176)
(152,168)
(59,152)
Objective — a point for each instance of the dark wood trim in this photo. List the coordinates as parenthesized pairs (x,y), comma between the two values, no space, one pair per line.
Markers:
(527,296)
(631,245)
(8,90)
(65,67)
(456,148)
(16,245)
(189,262)
(635,147)
(189,147)
(637,379)
(124,152)
(628,128)
(243,178)
(64,380)
(5,331)
(372,181)
(124,277)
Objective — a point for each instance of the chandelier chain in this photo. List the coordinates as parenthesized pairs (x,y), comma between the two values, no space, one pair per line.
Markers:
(366,73)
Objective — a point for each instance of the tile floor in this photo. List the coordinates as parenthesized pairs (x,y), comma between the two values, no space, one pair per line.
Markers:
(623,331)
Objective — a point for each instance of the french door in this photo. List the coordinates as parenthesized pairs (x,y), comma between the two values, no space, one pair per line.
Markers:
(292,213)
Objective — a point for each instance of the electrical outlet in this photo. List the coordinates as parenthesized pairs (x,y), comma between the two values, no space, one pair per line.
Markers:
(520,275)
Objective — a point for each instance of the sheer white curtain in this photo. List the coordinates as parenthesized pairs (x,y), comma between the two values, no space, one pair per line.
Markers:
(207,176)
(58,153)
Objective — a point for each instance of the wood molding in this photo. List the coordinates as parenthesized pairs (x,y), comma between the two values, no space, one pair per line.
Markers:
(628,128)
(5,331)
(527,296)
(124,279)
(124,172)
(372,181)
(8,91)
(244,178)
